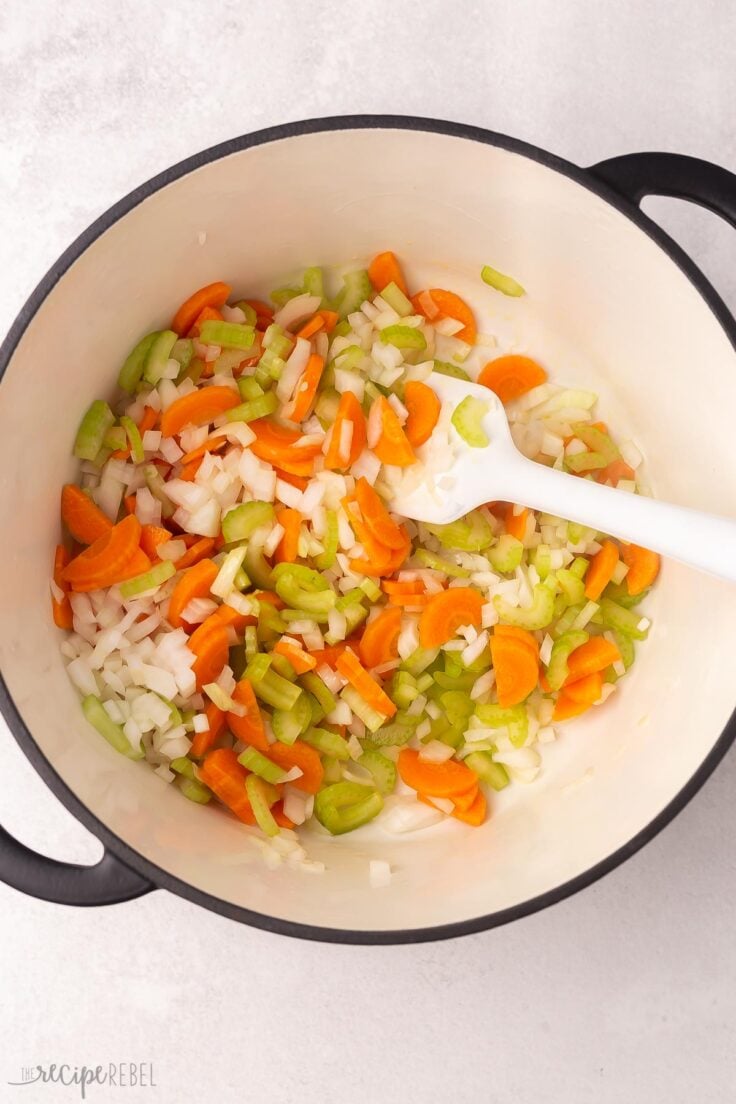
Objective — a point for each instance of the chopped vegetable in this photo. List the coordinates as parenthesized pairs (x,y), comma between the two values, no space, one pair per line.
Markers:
(512,376)
(467,419)
(505,284)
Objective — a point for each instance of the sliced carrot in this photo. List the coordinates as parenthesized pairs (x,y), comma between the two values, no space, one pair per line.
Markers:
(311,327)
(199,453)
(386,566)
(643,567)
(379,642)
(332,652)
(203,741)
(450,305)
(189,472)
(350,667)
(516,667)
(194,583)
(403,586)
(207,314)
(382,559)
(105,561)
(424,411)
(300,660)
(521,634)
(350,411)
(618,469)
(151,537)
(84,520)
(330,319)
(209,644)
(230,618)
(392,446)
(585,690)
(511,376)
(435,779)
(224,775)
(565,708)
(601,569)
(385,269)
(376,516)
(278,814)
(196,552)
(413,601)
(446,612)
(595,655)
(305,392)
(62,611)
(197,408)
(213,295)
(129,502)
(515,524)
(275,444)
(149,420)
(299,755)
(299,481)
(463,801)
(475,814)
(249,728)
(287,550)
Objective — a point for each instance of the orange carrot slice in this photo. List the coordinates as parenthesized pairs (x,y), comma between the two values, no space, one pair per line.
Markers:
(379,642)
(305,392)
(300,660)
(287,550)
(349,411)
(105,561)
(61,610)
(213,295)
(516,667)
(446,612)
(376,516)
(209,644)
(435,779)
(585,690)
(511,376)
(565,708)
(643,567)
(224,775)
(520,634)
(197,409)
(350,667)
(593,656)
(84,520)
(196,552)
(515,524)
(424,411)
(449,305)
(392,446)
(601,569)
(194,583)
(203,741)
(248,728)
(151,537)
(385,269)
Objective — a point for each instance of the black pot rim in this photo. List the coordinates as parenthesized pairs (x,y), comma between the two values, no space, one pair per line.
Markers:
(162,878)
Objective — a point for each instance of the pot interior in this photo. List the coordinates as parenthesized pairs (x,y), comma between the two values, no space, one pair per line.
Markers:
(606,308)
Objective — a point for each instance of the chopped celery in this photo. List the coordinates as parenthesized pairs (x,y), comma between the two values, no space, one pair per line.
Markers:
(251,642)
(332,770)
(354,615)
(241,580)
(350,359)
(258,667)
(228,361)
(345,806)
(258,795)
(134,438)
(626,647)
(157,487)
(194,790)
(130,374)
(403,693)
(392,735)
(436,563)
(327,743)
(275,690)
(467,418)
(602,452)
(243,520)
(249,388)
(423,683)
(620,619)
(254,408)
(505,556)
(357,287)
(505,284)
(184,766)
(620,595)
(316,604)
(97,716)
(255,563)
(446,369)
(271,622)
(449,734)
(382,769)
(102,457)
(495,774)
(342,329)
(457,707)
(371,590)
(277,340)
(579,566)
(471,533)
(541,559)
(514,718)
(159,355)
(251,314)
(537,616)
(281,296)
(566,620)
(370,717)
(394,296)
(229,335)
(326,407)
(577,533)
(420,660)
(281,665)
(573,587)
(314,283)
(270,365)
(288,725)
(183,351)
(115,438)
(150,579)
(259,764)
(403,337)
(98,419)
(557,670)
(463,682)
(314,684)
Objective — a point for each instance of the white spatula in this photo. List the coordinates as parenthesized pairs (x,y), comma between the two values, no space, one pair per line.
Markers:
(500,472)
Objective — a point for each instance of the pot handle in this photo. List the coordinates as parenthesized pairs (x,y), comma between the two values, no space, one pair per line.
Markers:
(635,175)
(108,882)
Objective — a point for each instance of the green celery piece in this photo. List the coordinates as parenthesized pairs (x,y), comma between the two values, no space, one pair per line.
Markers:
(540,558)
(392,735)
(444,368)
(573,588)
(345,806)
(289,725)
(194,790)
(97,716)
(249,388)
(229,335)
(276,691)
(253,409)
(495,774)
(515,718)
(557,670)
(255,563)
(134,439)
(539,614)
(467,418)
(324,697)
(158,356)
(259,764)
(350,358)
(132,371)
(505,555)
(150,579)
(370,717)
(457,707)
(579,566)
(281,296)
(157,487)
(250,644)
(471,533)
(115,438)
(622,620)
(463,682)
(382,769)
(436,563)
(258,797)
(403,337)
(315,604)
(251,314)
(507,285)
(314,283)
(357,287)
(183,351)
(420,660)
(394,296)
(258,668)
(281,666)
(241,521)
(326,407)
(620,595)
(327,743)
(277,340)
(626,647)
(96,422)
(596,440)
(183,766)
(371,590)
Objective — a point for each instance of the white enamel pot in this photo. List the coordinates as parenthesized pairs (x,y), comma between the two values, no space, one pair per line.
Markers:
(612,304)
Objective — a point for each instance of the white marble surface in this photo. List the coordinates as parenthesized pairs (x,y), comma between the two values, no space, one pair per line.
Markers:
(627,992)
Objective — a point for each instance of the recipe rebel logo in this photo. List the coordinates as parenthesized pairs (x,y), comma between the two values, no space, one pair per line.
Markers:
(118,1075)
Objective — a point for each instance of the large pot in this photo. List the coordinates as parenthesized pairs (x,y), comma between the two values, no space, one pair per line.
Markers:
(612,303)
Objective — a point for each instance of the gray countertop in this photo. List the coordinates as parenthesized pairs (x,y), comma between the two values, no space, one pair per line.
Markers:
(626,992)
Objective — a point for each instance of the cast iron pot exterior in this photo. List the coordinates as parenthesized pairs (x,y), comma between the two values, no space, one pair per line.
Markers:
(123,874)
